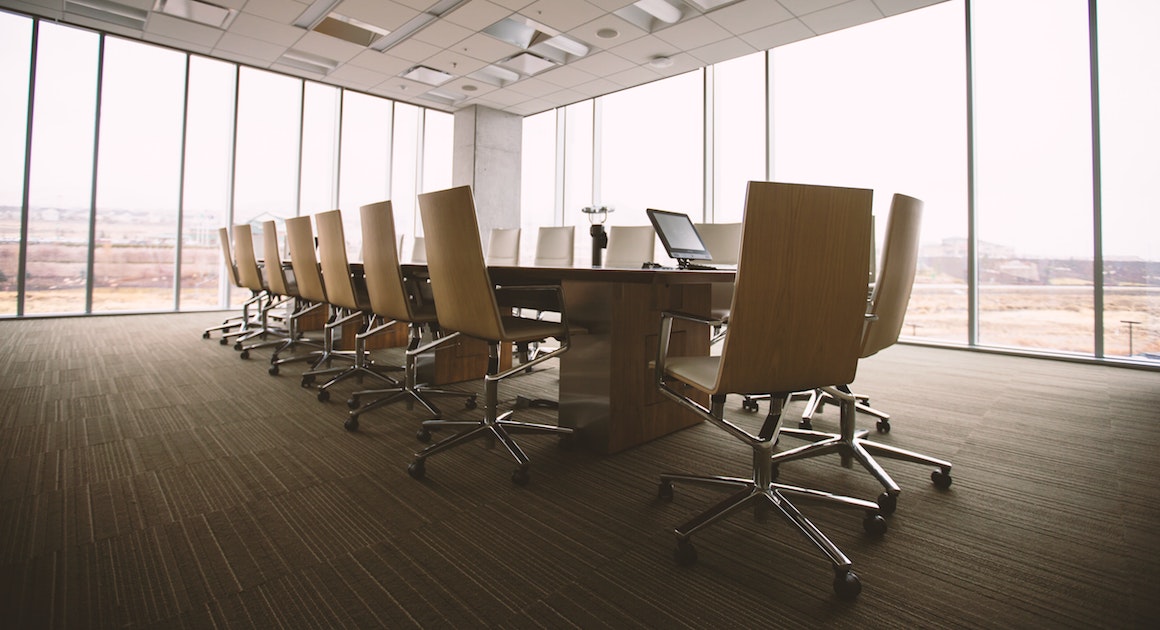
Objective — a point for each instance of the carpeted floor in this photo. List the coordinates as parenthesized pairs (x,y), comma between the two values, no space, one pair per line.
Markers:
(150,478)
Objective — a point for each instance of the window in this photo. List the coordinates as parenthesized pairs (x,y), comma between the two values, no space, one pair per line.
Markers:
(366,158)
(138,178)
(861,107)
(1033,168)
(209,149)
(15,56)
(1129,134)
(739,136)
(537,179)
(61,179)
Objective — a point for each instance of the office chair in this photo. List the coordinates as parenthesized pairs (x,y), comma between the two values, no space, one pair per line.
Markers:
(283,285)
(886,309)
(395,299)
(308,278)
(250,276)
(555,246)
(348,303)
(468,304)
(243,320)
(503,246)
(630,246)
(815,292)
(419,250)
(723,240)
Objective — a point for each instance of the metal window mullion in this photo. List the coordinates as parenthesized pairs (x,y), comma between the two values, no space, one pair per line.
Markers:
(337,178)
(709,145)
(561,158)
(301,142)
(233,175)
(22,256)
(597,152)
(90,263)
(181,193)
(972,249)
(1097,184)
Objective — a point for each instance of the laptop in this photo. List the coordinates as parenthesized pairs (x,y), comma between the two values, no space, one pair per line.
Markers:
(680,237)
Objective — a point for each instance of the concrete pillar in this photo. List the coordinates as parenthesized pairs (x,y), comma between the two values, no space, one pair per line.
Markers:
(487,158)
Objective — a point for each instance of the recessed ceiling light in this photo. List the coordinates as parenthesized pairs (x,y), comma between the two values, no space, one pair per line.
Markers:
(469,88)
(195,11)
(527,64)
(608,33)
(661,62)
(430,76)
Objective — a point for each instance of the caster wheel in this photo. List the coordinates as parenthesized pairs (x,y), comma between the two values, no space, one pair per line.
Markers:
(874,525)
(665,491)
(323,395)
(847,585)
(205,335)
(806,425)
(749,405)
(470,403)
(273,370)
(351,424)
(352,402)
(941,478)
(887,503)
(520,476)
(223,341)
(423,435)
(245,354)
(307,381)
(685,554)
(883,426)
(417,469)
(238,346)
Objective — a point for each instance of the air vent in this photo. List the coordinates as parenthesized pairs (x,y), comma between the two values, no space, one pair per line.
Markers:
(430,76)
(195,11)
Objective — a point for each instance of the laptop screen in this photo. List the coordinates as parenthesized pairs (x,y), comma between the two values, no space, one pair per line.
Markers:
(678,235)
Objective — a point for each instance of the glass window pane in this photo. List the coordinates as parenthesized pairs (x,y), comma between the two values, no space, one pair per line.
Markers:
(404,168)
(15,54)
(209,142)
(537,179)
(139,170)
(366,159)
(320,147)
(859,107)
(651,149)
(578,130)
(61,182)
(266,173)
(1129,134)
(739,133)
(1034,172)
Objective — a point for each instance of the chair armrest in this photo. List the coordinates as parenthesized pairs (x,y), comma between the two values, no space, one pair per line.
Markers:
(708,321)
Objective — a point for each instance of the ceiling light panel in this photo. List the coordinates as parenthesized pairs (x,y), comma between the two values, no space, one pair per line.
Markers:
(195,11)
(350,29)
(527,64)
(430,76)
(111,12)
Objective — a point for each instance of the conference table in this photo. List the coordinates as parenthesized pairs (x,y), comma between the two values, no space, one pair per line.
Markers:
(607,391)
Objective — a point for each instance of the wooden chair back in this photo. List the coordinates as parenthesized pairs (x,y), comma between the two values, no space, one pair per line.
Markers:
(332,257)
(895,279)
(555,246)
(800,292)
(271,253)
(303,260)
(460,282)
(384,276)
(630,246)
(503,247)
(246,259)
(228,255)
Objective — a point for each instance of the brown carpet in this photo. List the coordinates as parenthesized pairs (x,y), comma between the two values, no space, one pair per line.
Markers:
(150,478)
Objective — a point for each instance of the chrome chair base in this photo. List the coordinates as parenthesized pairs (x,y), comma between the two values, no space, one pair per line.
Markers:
(852,446)
(491,426)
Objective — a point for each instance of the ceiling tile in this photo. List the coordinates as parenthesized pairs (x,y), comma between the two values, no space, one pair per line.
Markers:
(779,34)
(562,15)
(486,48)
(250,48)
(723,50)
(477,14)
(693,33)
(283,11)
(381,13)
(265,30)
(183,30)
(443,34)
(842,16)
(749,15)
